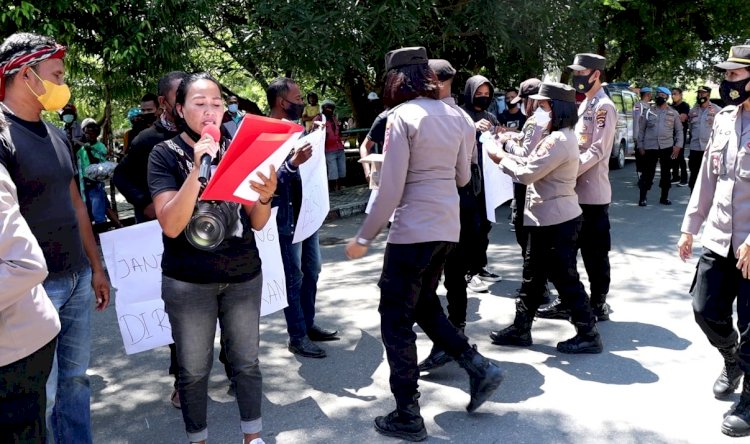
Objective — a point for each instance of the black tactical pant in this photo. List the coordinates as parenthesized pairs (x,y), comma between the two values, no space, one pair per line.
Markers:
(679,167)
(694,163)
(517,207)
(478,260)
(664,158)
(716,285)
(457,263)
(595,242)
(551,255)
(407,295)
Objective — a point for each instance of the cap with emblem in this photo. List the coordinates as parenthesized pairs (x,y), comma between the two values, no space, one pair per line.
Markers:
(415,55)
(442,68)
(704,89)
(526,89)
(588,61)
(739,57)
(555,91)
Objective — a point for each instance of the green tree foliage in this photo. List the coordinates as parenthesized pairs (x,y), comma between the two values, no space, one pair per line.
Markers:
(118,48)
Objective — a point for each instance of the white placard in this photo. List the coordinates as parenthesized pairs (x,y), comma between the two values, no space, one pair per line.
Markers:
(315,200)
(498,186)
(133,258)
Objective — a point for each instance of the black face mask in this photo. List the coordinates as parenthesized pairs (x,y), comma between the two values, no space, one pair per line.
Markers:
(148,118)
(660,101)
(482,102)
(294,110)
(734,93)
(328,112)
(582,84)
(702,100)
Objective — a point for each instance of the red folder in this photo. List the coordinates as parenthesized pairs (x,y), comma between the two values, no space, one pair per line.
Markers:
(257,138)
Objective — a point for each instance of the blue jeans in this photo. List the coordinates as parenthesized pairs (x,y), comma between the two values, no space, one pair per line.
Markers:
(302,267)
(96,202)
(68,393)
(193,310)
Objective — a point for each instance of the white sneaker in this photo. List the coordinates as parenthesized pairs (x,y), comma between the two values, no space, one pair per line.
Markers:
(476,285)
(256,441)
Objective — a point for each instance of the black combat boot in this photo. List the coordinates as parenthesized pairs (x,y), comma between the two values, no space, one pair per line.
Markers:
(600,307)
(586,340)
(664,200)
(520,332)
(738,422)
(484,377)
(405,422)
(438,357)
(556,310)
(730,376)
(642,202)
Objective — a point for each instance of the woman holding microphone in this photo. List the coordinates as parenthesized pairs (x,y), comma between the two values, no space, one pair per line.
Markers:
(203,281)
(553,218)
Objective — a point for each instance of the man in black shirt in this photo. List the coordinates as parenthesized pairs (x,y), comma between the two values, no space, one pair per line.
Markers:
(38,158)
(512,118)
(131,174)
(679,166)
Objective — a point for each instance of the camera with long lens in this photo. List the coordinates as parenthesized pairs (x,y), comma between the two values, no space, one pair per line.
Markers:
(211,223)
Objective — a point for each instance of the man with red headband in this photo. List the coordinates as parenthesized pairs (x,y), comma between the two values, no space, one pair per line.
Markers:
(38,158)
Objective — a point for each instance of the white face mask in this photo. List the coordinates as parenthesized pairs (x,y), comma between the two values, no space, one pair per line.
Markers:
(541,117)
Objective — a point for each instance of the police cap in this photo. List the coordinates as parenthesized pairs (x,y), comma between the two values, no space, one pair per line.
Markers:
(704,89)
(739,57)
(527,88)
(442,68)
(415,55)
(588,61)
(555,91)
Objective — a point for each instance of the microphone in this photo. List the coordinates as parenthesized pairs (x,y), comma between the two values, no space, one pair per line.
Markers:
(205,171)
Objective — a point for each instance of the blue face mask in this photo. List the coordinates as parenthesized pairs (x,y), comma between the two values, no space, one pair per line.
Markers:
(233,107)
(68,118)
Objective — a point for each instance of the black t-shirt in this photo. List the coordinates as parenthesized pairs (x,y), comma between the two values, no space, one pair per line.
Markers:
(38,159)
(377,130)
(235,260)
(682,108)
(514,121)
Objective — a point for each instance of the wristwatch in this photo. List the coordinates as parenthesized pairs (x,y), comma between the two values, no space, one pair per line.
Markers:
(362,241)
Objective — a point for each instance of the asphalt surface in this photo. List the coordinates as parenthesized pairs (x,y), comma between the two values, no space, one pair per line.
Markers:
(652,384)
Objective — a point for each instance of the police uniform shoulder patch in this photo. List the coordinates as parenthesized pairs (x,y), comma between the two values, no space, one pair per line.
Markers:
(601,117)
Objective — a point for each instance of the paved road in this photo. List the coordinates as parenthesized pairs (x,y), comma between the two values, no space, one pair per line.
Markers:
(652,384)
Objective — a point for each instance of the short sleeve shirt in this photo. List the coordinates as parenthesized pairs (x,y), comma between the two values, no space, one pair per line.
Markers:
(235,260)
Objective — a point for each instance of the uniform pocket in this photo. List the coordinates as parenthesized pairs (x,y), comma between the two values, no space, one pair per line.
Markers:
(743,164)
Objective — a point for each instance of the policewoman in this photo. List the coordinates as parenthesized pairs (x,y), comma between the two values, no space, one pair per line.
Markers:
(595,131)
(721,204)
(553,218)
(660,139)
(426,156)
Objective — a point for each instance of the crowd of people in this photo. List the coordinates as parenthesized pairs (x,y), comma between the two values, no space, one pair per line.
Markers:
(429,185)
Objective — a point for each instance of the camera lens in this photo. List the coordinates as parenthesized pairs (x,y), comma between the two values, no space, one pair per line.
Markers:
(211,222)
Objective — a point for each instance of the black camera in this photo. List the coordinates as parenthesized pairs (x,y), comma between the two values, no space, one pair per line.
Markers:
(211,223)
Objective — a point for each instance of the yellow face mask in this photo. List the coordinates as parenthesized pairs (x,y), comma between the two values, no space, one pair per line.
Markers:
(55,96)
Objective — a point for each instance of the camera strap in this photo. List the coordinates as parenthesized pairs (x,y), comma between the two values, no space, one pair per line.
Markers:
(185,163)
